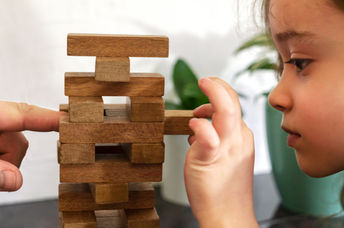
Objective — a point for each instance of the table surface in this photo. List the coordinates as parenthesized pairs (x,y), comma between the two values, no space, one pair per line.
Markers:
(267,206)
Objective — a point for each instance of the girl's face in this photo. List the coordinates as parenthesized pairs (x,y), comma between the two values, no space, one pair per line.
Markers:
(309,35)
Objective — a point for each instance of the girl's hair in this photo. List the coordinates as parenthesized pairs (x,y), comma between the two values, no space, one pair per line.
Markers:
(265,8)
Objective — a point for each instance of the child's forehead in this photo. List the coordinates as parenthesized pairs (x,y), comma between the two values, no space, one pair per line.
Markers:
(303,16)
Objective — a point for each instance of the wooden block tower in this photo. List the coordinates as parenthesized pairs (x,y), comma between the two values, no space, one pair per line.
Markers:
(109,154)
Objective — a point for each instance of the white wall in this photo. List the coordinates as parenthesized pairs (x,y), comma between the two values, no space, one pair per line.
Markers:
(33,60)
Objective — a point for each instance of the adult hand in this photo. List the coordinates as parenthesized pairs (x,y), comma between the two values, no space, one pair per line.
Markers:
(14,118)
(219,164)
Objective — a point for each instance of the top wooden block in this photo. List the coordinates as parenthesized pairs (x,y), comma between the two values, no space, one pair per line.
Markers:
(117,45)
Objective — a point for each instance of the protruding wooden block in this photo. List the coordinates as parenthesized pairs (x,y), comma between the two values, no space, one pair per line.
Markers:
(80,219)
(77,197)
(110,168)
(146,109)
(177,122)
(117,45)
(140,84)
(112,69)
(142,218)
(83,153)
(117,129)
(107,193)
(86,109)
(146,153)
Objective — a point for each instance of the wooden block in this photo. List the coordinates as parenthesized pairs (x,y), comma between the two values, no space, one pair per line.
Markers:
(77,197)
(109,109)
(113,130)
(140,84)
(107,193)
(117,110)
(110,168)
(117,45)
(65,108)
(86,109)
(83,153)
(60,219)
(147,109)
(177,122)
(142,218)
(147,153)
(110,218)
(112,69)
(80,219)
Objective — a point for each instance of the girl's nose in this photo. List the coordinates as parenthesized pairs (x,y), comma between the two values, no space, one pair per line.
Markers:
(279,97)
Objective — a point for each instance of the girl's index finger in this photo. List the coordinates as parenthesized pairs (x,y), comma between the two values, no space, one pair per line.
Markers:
(21,116)
(225,104)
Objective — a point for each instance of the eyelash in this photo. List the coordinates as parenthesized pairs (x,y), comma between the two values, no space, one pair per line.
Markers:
(301,64)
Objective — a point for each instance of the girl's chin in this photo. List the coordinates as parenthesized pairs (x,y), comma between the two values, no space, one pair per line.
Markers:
(313,170)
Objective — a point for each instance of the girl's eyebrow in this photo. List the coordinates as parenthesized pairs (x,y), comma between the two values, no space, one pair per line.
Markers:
(292,34)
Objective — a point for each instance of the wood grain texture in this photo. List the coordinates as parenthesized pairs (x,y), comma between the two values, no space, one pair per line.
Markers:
(86,109)
(80,219)
(140,84)
(107,193)
(145,153)
(112,69)
(142,218)
(114,130)
(83,153)
(77,197)
(60,219)
(146,109)
(110,218)
(117,45)
(110,168)
(177,122)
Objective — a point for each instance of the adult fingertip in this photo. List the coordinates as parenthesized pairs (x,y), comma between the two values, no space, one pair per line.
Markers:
(10,180)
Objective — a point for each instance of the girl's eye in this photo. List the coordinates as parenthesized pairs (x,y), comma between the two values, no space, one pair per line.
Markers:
(301,64)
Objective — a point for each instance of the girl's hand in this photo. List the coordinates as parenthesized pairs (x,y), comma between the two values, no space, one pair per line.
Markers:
(219,164)
(14,118)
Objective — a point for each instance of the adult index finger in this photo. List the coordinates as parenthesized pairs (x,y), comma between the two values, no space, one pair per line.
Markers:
(226,107)
(22,116)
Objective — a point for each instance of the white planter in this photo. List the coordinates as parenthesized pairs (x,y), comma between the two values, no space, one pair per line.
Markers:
(173,187)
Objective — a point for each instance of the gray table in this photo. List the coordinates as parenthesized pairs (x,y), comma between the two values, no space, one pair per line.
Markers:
(267,206)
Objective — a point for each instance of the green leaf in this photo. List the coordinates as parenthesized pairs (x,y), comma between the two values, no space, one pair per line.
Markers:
(182,76)
(186,86)
(261,40)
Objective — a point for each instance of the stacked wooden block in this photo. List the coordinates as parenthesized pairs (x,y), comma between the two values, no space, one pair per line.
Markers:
(109,154)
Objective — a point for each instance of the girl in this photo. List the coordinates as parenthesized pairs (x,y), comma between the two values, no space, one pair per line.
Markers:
(309,37)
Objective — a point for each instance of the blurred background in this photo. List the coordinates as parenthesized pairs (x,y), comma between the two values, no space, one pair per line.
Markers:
(33,60)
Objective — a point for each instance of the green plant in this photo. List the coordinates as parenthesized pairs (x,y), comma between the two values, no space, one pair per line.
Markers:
(186,86)
(266,61)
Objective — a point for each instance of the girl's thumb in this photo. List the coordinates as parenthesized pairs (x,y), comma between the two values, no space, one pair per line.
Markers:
(206,140)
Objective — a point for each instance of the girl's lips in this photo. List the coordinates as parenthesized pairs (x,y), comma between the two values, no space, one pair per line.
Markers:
(290,131)
(293,137)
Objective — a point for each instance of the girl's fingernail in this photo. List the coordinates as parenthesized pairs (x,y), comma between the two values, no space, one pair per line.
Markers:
(192,120)
(202,80)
